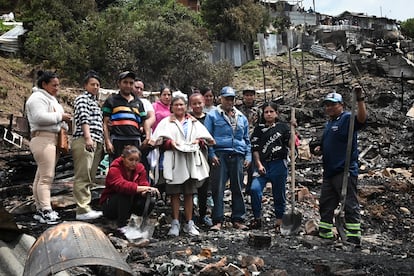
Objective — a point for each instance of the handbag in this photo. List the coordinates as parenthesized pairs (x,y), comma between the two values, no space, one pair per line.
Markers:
(63,141)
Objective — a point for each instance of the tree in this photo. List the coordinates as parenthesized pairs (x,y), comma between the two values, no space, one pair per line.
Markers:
(161,40)
(233,20)
(56,38)
(407,27)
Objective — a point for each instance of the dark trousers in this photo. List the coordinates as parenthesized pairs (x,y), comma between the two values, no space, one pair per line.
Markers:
(249,172)
(120,207)
(331,196)
(119,146)
(202,194)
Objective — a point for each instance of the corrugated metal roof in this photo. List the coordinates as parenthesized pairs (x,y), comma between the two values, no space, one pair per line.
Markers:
(9,40)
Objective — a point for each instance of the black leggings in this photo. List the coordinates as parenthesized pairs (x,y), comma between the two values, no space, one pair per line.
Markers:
(120,207)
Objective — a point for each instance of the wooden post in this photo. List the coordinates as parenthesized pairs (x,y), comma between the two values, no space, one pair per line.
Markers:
(290,64)
(283,80)
(10,126)
(333,69)
(264,80)
(342,74)
(319,73)
(402,91)
(303,63)
(297,82)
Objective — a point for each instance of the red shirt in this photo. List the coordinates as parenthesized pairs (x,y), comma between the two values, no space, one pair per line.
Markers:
(117,180)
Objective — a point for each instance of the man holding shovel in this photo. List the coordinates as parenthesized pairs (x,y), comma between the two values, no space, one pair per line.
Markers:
(334,149)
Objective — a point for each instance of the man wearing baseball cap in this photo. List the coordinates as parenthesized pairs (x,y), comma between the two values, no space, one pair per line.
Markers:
(232,153)
(124,115)
(333,149)
(253,114)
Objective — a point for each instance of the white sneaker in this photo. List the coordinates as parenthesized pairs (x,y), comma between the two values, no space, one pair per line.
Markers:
(47,216)
(191,229)
(175,228)
(89,215)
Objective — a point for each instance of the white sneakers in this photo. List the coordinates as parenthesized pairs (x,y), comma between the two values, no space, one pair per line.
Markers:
(89,215)
(189,228)
(175,228)
(47,216)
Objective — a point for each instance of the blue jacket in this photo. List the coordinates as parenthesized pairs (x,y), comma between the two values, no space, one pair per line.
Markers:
(228,139)
(334,144)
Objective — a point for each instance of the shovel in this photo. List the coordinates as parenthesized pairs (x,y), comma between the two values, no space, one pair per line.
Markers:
(339,216)
(292,222)
(145,230)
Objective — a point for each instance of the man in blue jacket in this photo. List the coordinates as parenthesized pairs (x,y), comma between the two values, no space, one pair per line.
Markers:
(228,157)
(333,149)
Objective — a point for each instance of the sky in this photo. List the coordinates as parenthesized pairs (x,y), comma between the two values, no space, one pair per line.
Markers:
(393,9)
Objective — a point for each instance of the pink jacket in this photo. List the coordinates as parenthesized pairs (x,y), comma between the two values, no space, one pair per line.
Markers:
(161,111)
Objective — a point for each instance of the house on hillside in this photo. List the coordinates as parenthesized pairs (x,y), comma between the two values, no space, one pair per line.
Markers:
(293,10)
(192,4)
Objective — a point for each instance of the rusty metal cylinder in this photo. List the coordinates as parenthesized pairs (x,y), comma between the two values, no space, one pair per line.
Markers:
(72,244)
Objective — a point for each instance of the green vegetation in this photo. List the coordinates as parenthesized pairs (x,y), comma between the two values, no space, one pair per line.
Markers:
(161,40)
(407,27)
(234,20)
(4,28)
(3,92)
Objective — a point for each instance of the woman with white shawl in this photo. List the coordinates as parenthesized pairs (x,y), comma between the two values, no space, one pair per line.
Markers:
(183,139)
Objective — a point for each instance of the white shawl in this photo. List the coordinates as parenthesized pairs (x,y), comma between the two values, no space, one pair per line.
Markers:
(180,166)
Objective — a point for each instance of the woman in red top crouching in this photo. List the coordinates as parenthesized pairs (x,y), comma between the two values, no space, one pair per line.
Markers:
(126,187)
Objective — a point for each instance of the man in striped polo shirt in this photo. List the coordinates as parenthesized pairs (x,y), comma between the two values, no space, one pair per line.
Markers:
(124,115)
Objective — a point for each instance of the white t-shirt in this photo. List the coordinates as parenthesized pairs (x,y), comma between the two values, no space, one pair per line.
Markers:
(147,105)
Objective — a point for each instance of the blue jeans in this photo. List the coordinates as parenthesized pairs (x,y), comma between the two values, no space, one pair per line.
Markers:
(276,173)
(231,167)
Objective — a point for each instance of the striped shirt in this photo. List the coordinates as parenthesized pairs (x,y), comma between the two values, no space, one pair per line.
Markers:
(126,117)
(87,111)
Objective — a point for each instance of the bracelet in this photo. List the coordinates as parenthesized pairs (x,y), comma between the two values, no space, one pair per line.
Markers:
(360,99)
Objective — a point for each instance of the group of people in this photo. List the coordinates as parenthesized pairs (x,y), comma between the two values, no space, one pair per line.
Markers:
(199,148)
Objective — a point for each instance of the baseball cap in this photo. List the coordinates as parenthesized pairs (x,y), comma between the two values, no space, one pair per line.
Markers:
(249,89)
(333,97)
(227,91)
(126,74)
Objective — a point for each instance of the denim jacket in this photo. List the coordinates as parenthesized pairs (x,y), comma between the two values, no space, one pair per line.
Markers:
(228,139)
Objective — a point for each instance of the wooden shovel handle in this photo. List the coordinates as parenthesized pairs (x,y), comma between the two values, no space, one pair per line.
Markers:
(292,155)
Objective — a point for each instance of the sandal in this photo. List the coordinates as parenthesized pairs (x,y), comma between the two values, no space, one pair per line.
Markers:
(277,225)
(216,227)
(255,223)
(240,226)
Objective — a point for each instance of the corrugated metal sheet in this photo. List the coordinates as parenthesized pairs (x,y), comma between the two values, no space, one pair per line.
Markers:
(298,18)
(14,246)
(323,52)
(394,66)
(271,45)
(9,40)
(13,255)
(236,52)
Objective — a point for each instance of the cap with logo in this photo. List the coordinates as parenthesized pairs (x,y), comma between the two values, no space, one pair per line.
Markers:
(227,91)
(333,97)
